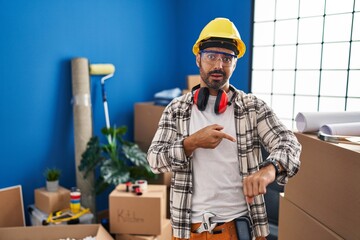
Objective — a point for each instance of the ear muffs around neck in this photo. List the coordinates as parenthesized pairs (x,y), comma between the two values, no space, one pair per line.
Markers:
(221,102)
(201,97)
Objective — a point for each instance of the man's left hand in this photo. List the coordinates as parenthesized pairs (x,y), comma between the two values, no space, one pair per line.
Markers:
(256,183)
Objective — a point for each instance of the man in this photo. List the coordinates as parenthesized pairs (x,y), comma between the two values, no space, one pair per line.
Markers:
(211,141)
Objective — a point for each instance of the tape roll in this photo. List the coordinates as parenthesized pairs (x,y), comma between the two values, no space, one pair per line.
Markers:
(142,184)
(82,100)
(102,69)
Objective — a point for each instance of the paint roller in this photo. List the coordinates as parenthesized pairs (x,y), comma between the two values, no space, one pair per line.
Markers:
(107,70)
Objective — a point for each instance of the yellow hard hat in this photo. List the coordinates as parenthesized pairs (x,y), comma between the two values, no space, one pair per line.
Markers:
(221,28)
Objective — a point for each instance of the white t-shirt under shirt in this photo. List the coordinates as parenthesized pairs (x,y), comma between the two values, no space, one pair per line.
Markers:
(218,186)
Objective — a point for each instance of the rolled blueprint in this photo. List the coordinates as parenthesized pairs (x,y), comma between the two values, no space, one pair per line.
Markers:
(312,121)
(345,129)
(83,129)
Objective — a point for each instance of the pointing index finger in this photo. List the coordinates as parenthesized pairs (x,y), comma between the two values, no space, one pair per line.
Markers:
(229,137)
(222,134)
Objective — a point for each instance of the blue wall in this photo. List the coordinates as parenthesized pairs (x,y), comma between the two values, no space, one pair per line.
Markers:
(149,42)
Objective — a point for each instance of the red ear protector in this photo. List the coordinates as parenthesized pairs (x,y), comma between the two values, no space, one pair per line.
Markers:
(201,97)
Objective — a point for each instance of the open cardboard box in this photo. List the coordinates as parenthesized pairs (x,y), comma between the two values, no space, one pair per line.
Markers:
(11,207)
(12,223)
(55,232)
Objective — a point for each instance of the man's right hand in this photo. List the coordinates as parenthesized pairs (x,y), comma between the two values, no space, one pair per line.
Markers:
(207,137)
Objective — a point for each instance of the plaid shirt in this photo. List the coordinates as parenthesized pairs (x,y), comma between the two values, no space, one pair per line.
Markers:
(256,125)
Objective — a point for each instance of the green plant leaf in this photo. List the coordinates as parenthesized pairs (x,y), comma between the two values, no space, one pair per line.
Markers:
(114,174)
(120,131)
(142,172)
(92,157)
(118,160)
(100,185)
(135,154)
(52,174)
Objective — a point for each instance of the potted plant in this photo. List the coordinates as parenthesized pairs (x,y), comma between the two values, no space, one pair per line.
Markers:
(118,160)
(52,176)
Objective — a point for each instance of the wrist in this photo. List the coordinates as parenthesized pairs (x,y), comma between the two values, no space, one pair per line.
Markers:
(277,166)
(189,146)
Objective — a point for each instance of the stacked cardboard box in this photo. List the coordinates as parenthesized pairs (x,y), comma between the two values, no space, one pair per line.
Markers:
(296,224)
(166,234)
(146,121)
(191,81)
(147,117)
(49,202)
(133,215)
(324,195)
(38,217)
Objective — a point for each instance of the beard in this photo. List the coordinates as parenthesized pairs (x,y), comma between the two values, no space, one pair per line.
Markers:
(216,85)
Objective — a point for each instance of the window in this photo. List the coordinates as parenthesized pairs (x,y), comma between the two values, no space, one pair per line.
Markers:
(306,56)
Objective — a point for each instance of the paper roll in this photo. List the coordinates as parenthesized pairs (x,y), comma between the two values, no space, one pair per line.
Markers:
(83,128)
(347,129)
(312,121)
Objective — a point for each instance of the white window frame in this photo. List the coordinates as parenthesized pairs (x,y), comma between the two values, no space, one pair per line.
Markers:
(306,56)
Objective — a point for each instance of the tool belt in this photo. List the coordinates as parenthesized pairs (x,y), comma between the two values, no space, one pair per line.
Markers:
(220,231)
(241,227)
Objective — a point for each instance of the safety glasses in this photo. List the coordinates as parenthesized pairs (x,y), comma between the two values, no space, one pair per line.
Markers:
(211,57)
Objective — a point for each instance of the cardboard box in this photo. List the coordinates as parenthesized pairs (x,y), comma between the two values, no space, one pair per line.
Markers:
(133,214)
(11,207)
(185,91)
(147,116)
(101,215)
(192,81)
(37,217)
(166,234)
(327,184)
(296,224)
(134,237)
(55,232)
(49,202)
(164,179)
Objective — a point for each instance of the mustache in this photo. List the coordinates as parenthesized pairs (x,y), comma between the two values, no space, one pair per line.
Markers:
(217,72)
